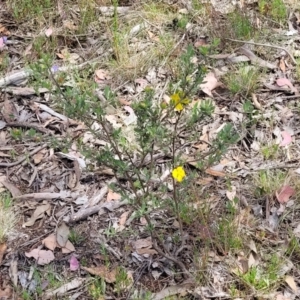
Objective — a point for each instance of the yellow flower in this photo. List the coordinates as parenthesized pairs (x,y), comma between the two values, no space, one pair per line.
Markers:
(178,174)
(178,101)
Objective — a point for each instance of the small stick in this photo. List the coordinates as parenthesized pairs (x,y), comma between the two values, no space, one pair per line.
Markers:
(290,97)
(29,125)
(266,45)
(24,157)
(170,53)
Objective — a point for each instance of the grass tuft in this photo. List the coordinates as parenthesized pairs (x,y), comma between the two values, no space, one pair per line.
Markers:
(243,81)
(7,216)
(241,27)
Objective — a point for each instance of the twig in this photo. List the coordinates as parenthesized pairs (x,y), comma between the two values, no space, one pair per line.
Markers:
(221,97)
(84,213)
(279,166)
(186,273)
(18,77)
(29,125)
(290,97)
(174,48)
(266,45)
(32,241)
(24,157)
(142,269)
(103,242)
(255,59)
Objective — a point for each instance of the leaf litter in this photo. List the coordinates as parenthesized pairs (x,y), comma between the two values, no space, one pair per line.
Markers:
(51,186)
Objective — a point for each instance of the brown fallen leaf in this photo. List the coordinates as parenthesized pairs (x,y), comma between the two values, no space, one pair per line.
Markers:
(101,75)
(286,139)
(43,257)
(284,194)
(124,102)
(69,25)
(201,42)
(112,196)
(62,235)
(181,289)
(204,181)
(103,272)
(37,158)
(11,187)
(280,296)
(123,218)
(4,30)
(65,55)
(282,65)
(286,82)
(143,246)
(255,101)
(215,173)
(146,251)
(291,283)
(210,82)
(38,214)
(50,242)
(251,260)
(49,31)
(9,111)
(142,243)
(242,264)
(231,194)
(69,247)
(6,294)
(61,291)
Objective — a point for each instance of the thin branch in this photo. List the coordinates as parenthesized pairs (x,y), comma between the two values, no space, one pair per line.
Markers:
(36,150)
(266,45)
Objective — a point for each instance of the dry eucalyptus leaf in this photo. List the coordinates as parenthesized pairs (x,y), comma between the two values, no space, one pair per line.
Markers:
(291,283)
(113,196)
(43,257)
(38,214)
(181,289)
(6,293)
(210,82)
(62,234)
(231,194)
(286,139)
(11,187)
(9,112)
(286,82)
(48,32)
(37,158)
(69,25)
(284,194)
(60,292)
(123,217)
(146,251)
(251,260)
(50,242)
(69,247)
(143,243)
(215,173)
(103,272)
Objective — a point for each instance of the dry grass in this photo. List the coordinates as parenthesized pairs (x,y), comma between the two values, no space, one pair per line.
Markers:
(8,217)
